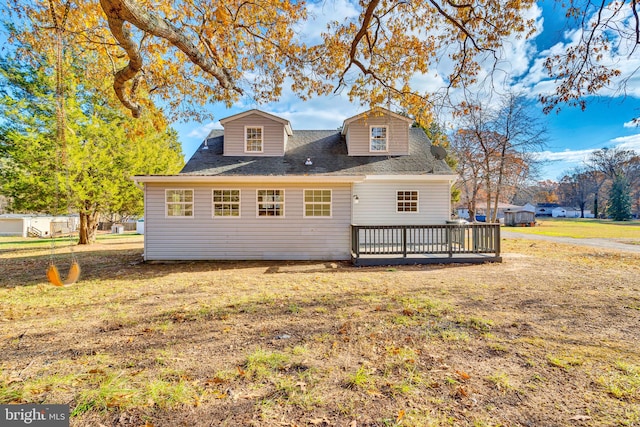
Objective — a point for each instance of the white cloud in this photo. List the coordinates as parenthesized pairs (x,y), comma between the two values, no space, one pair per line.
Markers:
(319,15)
(630,124)
(201,132)
(571,156)
(631,142)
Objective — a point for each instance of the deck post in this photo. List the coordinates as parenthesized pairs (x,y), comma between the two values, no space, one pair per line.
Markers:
(450,241)
(404,242)
(355,240)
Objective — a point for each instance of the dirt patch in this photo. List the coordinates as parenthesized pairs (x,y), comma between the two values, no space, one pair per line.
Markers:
(547,338)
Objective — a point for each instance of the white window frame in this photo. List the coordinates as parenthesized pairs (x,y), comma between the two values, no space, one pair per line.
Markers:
(305,203)
(386,138)
(280,202)
(183,203)
(246,139)
(223,202)
(407,201)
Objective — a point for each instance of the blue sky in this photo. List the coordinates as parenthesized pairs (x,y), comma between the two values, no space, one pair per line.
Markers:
(572,133)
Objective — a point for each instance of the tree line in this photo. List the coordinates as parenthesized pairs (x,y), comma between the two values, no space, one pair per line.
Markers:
(609,181)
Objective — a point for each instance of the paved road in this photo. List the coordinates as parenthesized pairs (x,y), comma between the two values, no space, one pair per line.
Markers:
(615,244)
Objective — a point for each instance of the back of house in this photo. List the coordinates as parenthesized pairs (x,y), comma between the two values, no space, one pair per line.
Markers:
(260,190)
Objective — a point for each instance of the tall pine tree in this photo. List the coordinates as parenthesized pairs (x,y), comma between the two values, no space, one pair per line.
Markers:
(619,208)
(104,147)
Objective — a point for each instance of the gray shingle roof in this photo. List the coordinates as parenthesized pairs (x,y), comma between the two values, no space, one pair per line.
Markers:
(328,152)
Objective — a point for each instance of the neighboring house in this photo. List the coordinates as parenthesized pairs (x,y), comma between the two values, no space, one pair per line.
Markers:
(481,210)
(570,212)
(25,225)
(545,209)
(261,190)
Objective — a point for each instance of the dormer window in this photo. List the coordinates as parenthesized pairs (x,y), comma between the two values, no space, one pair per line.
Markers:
(378,138)
(253,139)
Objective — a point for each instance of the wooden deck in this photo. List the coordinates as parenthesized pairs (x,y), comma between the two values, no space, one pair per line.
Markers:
(425,244)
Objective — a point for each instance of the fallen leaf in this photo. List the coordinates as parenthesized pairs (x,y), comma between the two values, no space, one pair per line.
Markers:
(241,372)
(580,418)
(461,392)
(463,375)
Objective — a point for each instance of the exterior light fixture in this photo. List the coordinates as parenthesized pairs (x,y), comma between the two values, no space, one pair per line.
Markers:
(356,199)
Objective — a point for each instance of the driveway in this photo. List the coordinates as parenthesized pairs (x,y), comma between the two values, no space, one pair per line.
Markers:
(626,245)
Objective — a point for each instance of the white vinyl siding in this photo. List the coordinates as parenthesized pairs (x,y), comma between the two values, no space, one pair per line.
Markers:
(226,203)
(249,237)
(270,202)
(377,203)
(378,138)
(179,203)
(407,201)
(317,203)
(273,136)
(253,139)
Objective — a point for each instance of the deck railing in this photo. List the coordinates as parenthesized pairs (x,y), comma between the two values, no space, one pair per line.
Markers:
(456,242)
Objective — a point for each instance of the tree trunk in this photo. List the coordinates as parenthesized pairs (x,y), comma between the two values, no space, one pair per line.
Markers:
(88,228)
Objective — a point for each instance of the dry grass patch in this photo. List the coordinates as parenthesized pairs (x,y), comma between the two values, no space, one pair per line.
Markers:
(549,337)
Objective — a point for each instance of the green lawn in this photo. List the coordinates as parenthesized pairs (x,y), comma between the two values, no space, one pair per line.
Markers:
(583,228)
(15,243)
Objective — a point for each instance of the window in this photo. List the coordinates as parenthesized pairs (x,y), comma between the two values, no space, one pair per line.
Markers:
(270,202)
(407,201)
(179,203)
(317,203)
(253,139)
(378,138)
(226,203)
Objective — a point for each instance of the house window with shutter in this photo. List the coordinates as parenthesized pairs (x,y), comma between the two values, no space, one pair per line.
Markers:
(226,203)
(179,203)
(253,139)
(270,202)
(407,201)
(378,138)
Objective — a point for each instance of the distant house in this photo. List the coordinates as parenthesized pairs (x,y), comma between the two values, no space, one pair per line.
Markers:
(258,189)
(481,210)
(570,212)
(546,209)
(27,225)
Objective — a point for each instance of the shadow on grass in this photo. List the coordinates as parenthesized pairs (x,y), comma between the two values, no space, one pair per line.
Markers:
(112,261)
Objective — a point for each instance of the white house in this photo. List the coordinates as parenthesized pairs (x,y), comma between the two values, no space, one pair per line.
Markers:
(259,189)
(25,225)
(481,209)
(570,212)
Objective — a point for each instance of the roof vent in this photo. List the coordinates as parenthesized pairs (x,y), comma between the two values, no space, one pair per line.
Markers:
(206,144)
(308,162)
